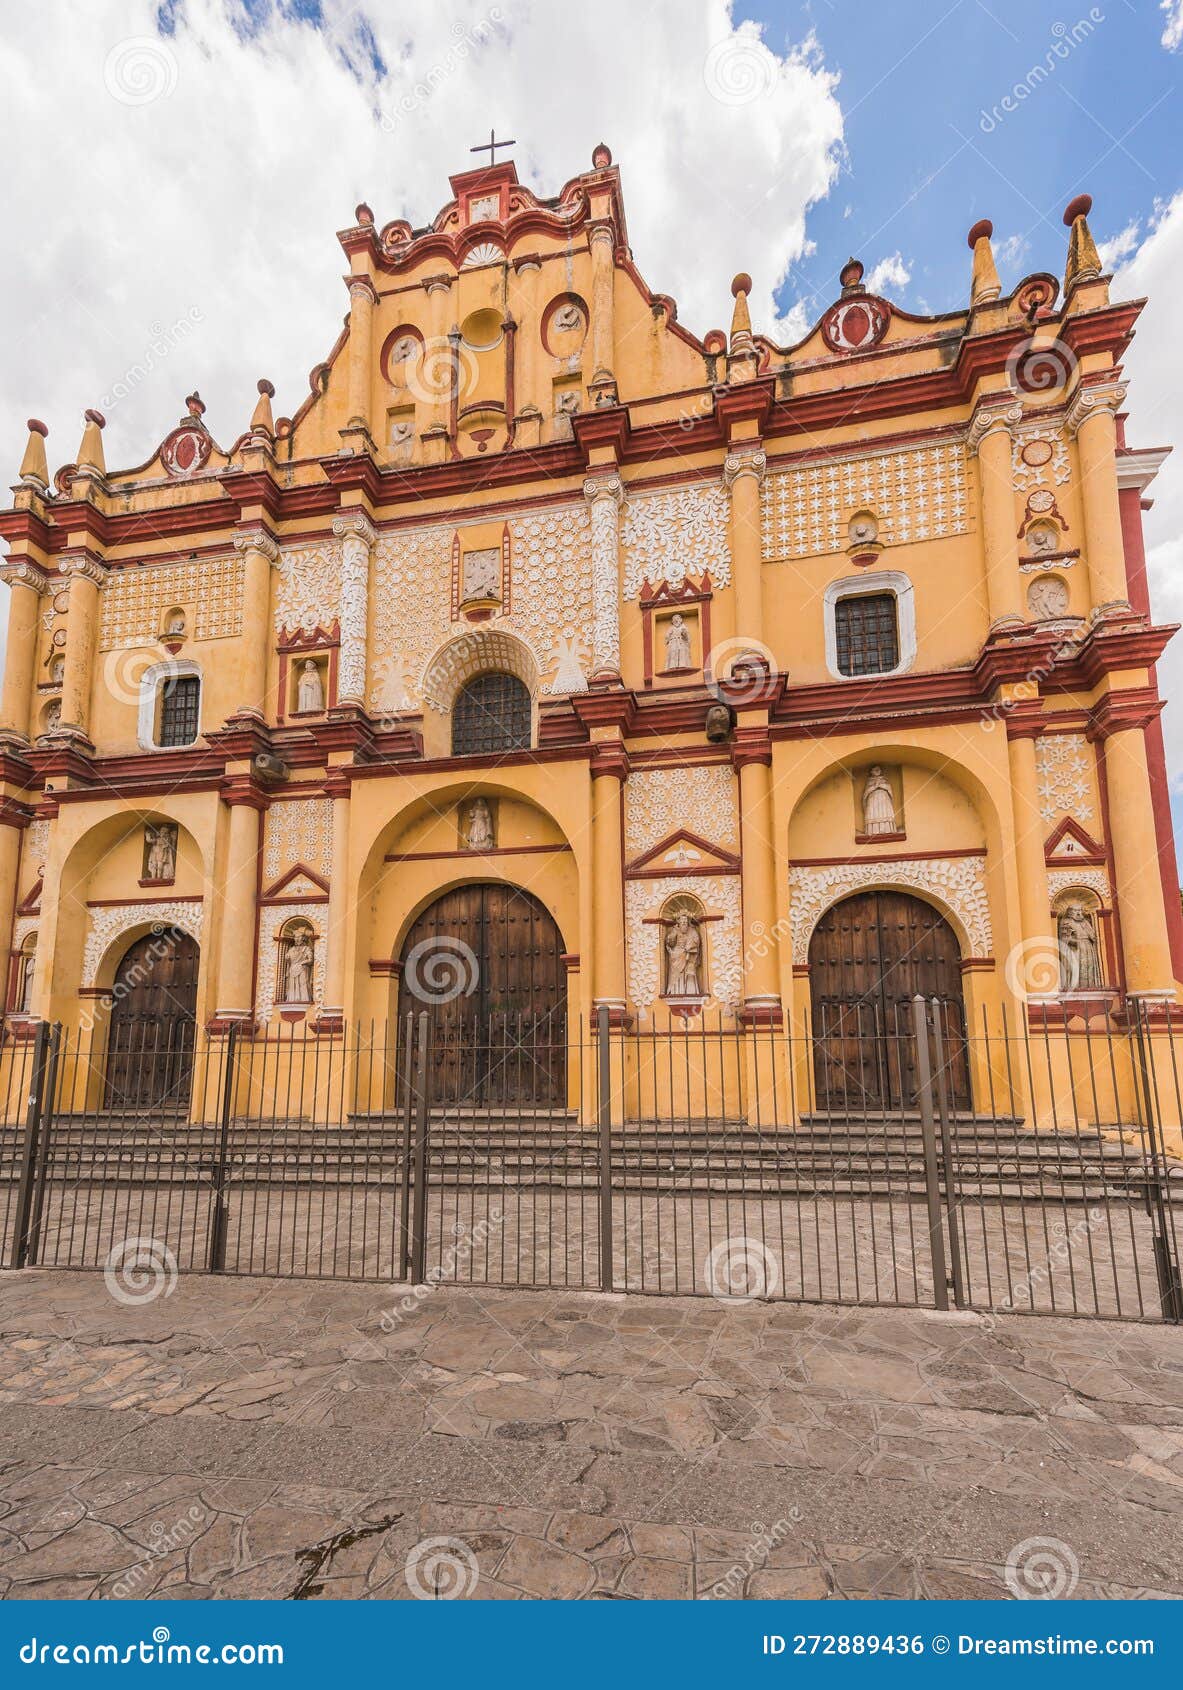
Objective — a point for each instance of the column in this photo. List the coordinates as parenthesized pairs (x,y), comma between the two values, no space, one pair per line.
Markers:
(528,344)
(432,383)
(1090,418)
(356,533)
(609,770)
(26,583)
(603,315)
(361,351)
(11,831)
(1035,919)
(337,915)
(1139,884)
(989,440)
(239,884)
(259,555)
(605,494)
(86,576)
(743,472)
(752,756)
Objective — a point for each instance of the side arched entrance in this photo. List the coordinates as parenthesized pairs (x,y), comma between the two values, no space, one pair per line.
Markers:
(868,957)
(486,963)
(153,1019)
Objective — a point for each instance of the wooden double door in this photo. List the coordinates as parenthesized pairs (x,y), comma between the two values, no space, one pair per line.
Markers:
(868,957)
(150,1034)
(485,961)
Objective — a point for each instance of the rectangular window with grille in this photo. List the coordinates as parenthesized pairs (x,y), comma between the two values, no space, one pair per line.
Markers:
(866,629)
(180,707)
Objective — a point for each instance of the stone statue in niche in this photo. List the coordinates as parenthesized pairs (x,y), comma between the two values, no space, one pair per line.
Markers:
(403,349)
(683,957)
(677,644)
(176,625)
(24,988)
(1080,954)
(478,826)
(568,403)
(401,433)
(482,574)
(53,715)
(1043,537)
(57,671)
(310,694)
(160,859)
(878,804)
(568,318)
(1047,598)
(297,967)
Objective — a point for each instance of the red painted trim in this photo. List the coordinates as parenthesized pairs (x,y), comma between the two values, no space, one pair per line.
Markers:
(273,892)
(474,856)
(888,857)
(727,859)
(165,898)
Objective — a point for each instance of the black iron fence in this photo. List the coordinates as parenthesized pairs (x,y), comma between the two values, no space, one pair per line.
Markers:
(1004,1167)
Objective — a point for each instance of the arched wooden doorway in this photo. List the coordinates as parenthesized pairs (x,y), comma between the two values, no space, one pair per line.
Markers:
(868,957)
(153,1019)
(486,962)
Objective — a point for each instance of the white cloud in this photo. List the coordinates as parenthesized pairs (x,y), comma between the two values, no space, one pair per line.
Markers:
(1154,365)
(1172,32)
(1120,246)
(890,273)
(1011,250)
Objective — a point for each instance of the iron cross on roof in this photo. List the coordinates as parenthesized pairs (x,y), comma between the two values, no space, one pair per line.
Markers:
(490,146)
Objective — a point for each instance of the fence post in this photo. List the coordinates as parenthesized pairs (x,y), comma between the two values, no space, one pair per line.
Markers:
(24,1243)
(932,1189)
(1169,1289)
(406,1071)
(947,1162)
(219,1216)
(419,1205)
(604,1118)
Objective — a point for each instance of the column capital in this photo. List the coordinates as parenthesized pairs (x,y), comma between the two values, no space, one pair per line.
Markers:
(610,758)
(741,461)
(256,538)
(750,745)
(605,486)
(362,287)
(19,571)
(84,565)
(1097,400)
(601,231)
(992,412)
(354,524)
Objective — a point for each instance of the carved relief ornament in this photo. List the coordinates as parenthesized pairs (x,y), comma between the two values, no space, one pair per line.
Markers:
(956,883)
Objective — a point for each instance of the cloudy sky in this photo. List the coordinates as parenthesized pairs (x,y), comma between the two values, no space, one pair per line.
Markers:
(176,172)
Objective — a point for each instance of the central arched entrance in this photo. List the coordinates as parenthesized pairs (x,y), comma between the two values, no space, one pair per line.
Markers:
(868,957)
(153,1018)
(486,963)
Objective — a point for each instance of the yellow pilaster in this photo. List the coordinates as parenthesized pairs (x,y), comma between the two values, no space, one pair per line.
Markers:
(432,384)
(86,577)
(1031,868)
(603,313)
(239,884)
(10,847)
(259,554)
(361,351)
(1090,417)
(990,439)
(1135,861)
(752,756)
(609,769)
(743,472)
(26,585)
(337,914)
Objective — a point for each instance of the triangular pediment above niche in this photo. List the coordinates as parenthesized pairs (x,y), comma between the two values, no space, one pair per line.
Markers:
(30,904)
(1069,843)
(684,852)
(299,881)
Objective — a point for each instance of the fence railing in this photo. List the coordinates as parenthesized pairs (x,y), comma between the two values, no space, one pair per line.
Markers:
(906,1160)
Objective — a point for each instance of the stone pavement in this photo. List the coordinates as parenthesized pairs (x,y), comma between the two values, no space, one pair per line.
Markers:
(287,1438)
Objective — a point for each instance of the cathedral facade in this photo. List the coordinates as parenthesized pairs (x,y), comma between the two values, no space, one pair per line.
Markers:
(552,657)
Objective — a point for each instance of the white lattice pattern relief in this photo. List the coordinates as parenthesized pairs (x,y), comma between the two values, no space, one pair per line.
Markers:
(36,847)
(270,922)
(719,895)
(1063,766)
(299,830)
(105,925)
(667,536)
(660,801)
(135,601)
(308,586)
(957,883)
(1039,457)
(919,494)
(1068,879)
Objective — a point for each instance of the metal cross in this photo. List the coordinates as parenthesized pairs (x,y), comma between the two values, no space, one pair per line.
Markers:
(490,146)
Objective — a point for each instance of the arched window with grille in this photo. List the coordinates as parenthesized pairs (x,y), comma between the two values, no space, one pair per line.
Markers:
(491,713)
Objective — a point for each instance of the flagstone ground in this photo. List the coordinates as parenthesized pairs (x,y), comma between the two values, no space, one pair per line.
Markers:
(280,1438)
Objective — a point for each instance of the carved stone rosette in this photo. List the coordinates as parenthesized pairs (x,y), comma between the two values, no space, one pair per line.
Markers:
(356,534)
(605,495)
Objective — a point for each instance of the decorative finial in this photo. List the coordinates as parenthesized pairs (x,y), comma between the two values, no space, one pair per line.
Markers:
(984,284)
(34,469)
(1084,263)
(90,453)
(851,276)
(195,404)
(741,320)
(262,421)
(601,157)
(363,213)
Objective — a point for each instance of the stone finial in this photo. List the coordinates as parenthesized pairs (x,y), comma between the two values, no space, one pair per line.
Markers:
(195,405)
(262,422)
(984,285)
(601,157)
(90,453)
(741,319)
(363,214)
(34,469)
(851,277)
(1084,263)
